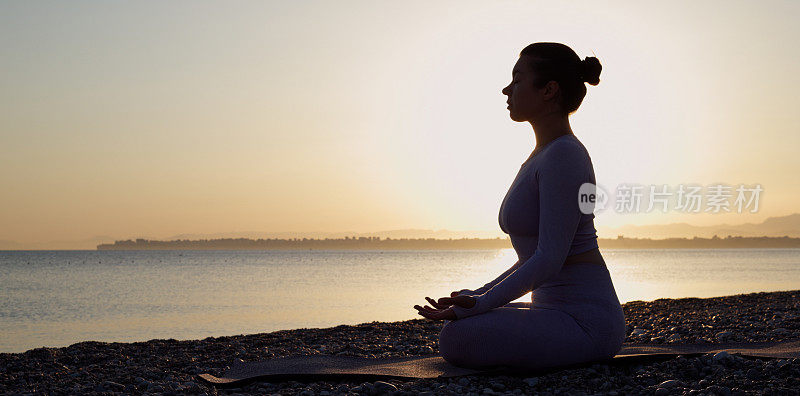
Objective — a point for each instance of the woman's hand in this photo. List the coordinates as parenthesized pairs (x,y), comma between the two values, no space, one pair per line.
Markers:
(437,305)
(441,310)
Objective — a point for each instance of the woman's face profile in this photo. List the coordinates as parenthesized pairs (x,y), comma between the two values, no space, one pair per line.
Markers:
(524,100)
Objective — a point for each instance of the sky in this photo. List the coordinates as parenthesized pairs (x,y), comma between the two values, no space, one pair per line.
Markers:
(149,119)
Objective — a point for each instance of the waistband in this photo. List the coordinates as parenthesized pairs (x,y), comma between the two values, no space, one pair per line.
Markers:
(590,256)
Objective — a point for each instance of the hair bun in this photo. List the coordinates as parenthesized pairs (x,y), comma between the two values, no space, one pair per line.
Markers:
(590,70)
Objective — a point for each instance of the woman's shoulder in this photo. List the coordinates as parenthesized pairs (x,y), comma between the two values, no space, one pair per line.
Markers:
(566,148)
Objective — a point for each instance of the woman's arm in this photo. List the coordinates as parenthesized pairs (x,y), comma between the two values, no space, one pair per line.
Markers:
(559,179)
(486,287)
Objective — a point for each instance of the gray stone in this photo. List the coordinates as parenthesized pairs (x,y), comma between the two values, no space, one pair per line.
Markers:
(382,387)
(497,386)
(113,386)
(669,384)
(638,332)
(721,356)
(753,374)
(674,338)
(531,381)
(721,390)
(723,335)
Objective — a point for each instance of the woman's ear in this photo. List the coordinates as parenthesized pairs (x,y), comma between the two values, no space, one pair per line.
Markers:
(550,90)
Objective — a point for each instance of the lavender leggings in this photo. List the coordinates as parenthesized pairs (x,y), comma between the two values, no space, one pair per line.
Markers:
(575,317)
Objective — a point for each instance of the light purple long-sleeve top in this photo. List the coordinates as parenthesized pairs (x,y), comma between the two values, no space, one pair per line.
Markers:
(540,213)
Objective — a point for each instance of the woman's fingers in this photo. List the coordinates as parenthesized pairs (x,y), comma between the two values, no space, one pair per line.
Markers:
(426,308)
(453,294)
(461,301)
(446,301)
(441,308)
(426,311)
(433,302)
(436,304)
(446,314)
(428,315)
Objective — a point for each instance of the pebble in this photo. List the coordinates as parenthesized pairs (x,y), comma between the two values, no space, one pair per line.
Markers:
(721,356)
(497,386)
(723,335)
(637,332)
(669,384)
(531,381)
(719,390)
(382,387)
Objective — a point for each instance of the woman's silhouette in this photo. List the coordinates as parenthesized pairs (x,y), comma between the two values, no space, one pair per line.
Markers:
(575,315)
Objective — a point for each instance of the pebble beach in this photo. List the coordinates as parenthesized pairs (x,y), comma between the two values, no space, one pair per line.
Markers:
(169,366)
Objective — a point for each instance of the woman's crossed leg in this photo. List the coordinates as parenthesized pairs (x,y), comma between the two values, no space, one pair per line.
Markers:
(516,335)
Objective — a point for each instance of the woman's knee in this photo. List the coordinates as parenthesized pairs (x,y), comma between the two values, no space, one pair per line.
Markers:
(452,343)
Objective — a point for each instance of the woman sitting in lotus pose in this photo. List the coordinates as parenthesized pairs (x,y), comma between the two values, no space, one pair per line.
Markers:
(574,315)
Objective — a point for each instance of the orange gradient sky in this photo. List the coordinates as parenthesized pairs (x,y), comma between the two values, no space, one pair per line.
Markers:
(153,118)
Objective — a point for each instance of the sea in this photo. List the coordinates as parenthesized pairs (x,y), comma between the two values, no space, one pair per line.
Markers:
(57,298)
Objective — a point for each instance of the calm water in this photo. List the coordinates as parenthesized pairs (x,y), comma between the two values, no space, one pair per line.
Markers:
(56,298)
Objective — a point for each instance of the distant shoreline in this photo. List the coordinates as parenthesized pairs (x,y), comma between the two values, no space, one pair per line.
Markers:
(377,243)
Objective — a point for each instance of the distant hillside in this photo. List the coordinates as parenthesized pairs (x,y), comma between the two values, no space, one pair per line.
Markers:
(772,226)
(411,233)
(346,243)
(728,242)
(88,244)
(85,244)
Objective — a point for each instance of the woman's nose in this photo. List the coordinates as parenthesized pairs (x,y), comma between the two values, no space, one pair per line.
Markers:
(505,90)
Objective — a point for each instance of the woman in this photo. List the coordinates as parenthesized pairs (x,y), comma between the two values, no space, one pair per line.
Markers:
(575,315)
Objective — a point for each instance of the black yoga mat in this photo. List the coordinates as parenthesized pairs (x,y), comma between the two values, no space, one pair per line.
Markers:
(321,367)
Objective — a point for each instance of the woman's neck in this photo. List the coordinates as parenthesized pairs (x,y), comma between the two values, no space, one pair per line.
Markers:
(550,128)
